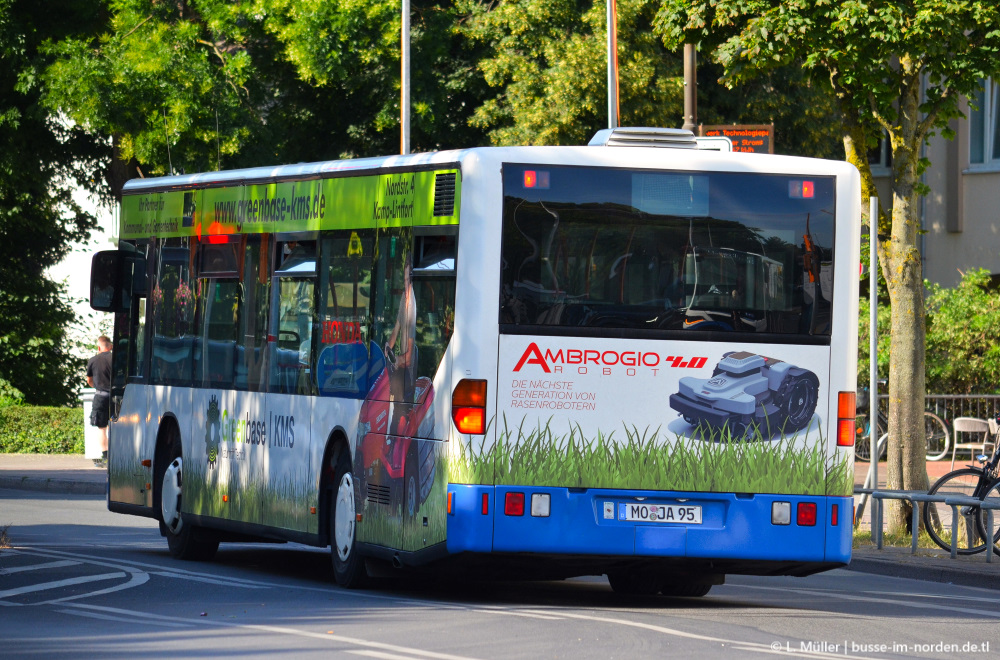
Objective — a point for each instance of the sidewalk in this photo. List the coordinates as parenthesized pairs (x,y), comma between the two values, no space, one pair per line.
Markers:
(76,474)
(52,473)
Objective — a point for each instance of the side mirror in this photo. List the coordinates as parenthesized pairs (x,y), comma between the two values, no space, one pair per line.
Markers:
(105,281)
(115,277)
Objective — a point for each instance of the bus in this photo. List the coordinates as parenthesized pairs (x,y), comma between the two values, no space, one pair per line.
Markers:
(634,358)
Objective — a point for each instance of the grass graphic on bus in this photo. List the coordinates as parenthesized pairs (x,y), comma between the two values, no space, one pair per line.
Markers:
(651,460)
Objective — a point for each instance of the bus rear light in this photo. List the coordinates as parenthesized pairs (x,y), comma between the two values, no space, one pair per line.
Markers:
(834,514)
(513,504)
(805,514)
(541,505)
(486,504)
(468,406)
(781,513)
(846,413)
(451,511)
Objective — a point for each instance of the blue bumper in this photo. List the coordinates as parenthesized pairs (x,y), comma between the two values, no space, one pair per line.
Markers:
(586,522)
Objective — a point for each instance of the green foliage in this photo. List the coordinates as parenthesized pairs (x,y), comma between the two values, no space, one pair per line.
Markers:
(206,84)
(39,220)
(547,60)
(963,354)
(41,430)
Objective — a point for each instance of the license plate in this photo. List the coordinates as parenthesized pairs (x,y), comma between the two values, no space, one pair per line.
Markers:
(660,513)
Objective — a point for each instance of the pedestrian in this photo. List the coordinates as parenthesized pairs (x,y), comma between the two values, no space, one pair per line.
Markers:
(99,377)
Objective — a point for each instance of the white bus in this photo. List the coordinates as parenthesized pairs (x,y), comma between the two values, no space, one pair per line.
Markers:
(633,358)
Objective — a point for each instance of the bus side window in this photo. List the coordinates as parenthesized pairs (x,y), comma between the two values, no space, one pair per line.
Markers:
(173,297)
(344,301)
(251,339)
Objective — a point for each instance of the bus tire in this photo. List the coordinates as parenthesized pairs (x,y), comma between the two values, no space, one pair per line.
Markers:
(348,566)
(185,541)
(634,583)
(686,589)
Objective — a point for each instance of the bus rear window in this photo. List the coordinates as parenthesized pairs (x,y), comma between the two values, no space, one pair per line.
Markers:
(602,250)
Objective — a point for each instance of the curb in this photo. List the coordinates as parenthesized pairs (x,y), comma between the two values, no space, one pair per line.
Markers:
(962,574)
(50,485)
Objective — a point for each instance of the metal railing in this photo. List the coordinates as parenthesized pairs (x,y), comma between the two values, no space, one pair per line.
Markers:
(914,498)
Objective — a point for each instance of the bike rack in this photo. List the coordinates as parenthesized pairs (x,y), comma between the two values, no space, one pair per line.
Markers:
(919,496)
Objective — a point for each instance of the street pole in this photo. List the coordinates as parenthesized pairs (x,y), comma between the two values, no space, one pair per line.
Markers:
(404,102)
(690,89)
(873,348)
(612,64)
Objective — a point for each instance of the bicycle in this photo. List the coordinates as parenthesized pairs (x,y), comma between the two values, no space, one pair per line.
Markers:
(981,483)
(935,429)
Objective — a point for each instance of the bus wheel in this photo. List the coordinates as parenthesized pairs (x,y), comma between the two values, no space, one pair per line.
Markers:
(184,540)
(634,583)
(686,589)
(348,568)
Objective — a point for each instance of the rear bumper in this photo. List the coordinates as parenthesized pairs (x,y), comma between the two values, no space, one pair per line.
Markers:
(734,527)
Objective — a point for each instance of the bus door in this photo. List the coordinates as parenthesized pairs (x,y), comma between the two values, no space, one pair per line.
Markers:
(285,476)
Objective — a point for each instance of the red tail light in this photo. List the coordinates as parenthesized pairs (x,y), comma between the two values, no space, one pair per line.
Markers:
(846,413)
(513,504)
(468,406)
(806,514)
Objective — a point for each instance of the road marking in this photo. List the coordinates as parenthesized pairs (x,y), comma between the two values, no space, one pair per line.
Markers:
(379,646)
(889,601)
(224,582)
(135,579)
(39,567)
(107,617)
(380,654)
(45,586)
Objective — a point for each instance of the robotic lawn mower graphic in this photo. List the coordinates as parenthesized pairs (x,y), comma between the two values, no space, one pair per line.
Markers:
(748,396)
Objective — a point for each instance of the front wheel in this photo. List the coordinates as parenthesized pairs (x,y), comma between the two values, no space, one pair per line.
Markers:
(348,567)
(937,436)
(938,516)
(184,540)
(993,496)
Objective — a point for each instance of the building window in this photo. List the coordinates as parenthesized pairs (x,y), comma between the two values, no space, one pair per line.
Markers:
(984,125)
(880,156)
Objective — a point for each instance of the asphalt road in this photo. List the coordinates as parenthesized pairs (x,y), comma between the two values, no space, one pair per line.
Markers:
(79,581)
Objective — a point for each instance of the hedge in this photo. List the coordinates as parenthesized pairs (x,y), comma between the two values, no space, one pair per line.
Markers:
(41,430)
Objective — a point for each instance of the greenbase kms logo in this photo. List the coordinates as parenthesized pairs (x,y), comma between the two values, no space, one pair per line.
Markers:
(223,432)
(212,431)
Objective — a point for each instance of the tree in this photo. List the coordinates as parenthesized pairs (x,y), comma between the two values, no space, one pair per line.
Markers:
(897,67)
(548,62)
(199,85)
(39,156)
(963,356)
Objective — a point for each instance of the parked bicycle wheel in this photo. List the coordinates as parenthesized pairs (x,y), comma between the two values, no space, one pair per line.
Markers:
(937,436)
(992,495)
(862,444)
(938,515)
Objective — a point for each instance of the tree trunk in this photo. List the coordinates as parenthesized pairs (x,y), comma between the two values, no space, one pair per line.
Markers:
(903,271)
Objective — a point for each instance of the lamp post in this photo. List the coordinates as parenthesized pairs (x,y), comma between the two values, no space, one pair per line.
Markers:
(404,101)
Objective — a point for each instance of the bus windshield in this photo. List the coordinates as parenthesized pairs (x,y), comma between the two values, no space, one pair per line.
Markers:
(613,249)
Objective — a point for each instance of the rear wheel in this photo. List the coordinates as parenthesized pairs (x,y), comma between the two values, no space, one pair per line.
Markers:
(938,516)
(634,583)
(185,540)
(862,443)
(937,436)
(992,495)
(686,589)
(348,567)
(798,401)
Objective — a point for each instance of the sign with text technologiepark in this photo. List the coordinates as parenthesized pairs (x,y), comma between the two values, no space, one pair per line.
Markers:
(748,138)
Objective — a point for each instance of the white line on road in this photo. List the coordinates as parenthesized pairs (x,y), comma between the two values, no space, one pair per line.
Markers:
(39,567)
(950,609)
(45,586)
(107,617)
(278,629)
(380,654)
